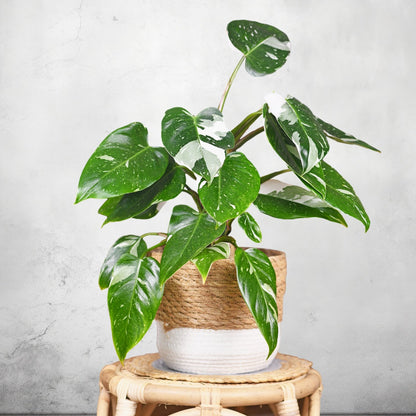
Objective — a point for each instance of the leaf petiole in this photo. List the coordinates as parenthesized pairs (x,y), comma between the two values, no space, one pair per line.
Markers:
(265,178)
(229,83)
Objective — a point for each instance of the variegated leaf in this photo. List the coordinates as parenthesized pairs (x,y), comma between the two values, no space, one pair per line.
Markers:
(212,128)
(290,202)
(338,135)
(183,134)
(204,259)
(134,204)
(133,299)
(305,140)
(128,244)
(189,233)
(340,194)
(314,180)
(233,190)
(250,226)
(265,47)
(122,163)
(257,281)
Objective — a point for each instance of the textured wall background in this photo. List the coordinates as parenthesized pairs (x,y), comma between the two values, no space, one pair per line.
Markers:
(73,71)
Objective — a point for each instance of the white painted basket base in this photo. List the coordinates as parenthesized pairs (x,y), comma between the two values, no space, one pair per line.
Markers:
(211,351)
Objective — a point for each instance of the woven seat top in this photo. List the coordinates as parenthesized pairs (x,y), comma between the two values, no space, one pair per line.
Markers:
(284,367)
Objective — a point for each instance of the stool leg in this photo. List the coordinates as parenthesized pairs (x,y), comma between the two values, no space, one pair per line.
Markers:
(315,403)
(103,406)
(305,407)
(147,409)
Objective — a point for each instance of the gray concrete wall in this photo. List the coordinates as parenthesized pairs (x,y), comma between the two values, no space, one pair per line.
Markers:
(72,71)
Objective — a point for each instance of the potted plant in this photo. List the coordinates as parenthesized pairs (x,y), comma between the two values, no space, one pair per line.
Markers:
(204,159)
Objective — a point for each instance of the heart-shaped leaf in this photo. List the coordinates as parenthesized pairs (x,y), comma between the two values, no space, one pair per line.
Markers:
(133,298)
(250,226)
(290,202)
(128,244)
(233,190)
(190,232)
(339,136)
(305,143)
(257,281)
(203,261)
(136,203)
(265,47)
(183,134)
(122,163)
(340,194)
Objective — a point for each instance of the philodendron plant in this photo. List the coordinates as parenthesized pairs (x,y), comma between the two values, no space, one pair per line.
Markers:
(135,179)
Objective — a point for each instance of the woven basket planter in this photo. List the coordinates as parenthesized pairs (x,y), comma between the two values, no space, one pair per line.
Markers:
(208,328)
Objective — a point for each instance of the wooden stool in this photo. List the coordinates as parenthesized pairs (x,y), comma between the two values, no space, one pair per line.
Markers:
(136,388)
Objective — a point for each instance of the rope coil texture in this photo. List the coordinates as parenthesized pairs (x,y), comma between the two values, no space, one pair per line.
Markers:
(217,304)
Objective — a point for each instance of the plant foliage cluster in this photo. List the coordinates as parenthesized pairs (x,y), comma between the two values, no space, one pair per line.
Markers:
(135,179)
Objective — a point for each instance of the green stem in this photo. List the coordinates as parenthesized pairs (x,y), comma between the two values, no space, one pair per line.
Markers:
(160,244)
(229,83)
(195,197)
(246,138)
(158,234)
(242,127)
(265,178)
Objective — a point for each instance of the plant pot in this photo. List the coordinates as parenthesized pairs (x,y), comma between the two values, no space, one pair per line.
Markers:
(208,328)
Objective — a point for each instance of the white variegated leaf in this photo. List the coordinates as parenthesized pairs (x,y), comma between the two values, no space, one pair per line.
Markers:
(290,202)
(212,128)
(305,141)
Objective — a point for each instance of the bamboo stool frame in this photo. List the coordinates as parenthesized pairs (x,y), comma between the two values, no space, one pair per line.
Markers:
(124,394)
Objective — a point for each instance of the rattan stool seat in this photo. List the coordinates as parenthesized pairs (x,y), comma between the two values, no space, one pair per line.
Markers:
(139,386)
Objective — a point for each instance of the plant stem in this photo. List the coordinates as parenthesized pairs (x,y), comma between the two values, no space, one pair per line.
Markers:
(227,239)
(161,243)
(229,83)
(228,226)
(265,178)
(243,126)
(195,197)
(246,138)
(158,234)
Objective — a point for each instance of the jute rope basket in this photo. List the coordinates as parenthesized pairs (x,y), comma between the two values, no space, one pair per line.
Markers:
(217,304)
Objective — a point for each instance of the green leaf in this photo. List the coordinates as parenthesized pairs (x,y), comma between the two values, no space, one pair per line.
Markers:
(290,202)
(183,134)
(264,47)
(257,281)
(340,194)
(305,140)
(250,226)
(314,180)
(133,299)
(149,212)
(339,136)
(233,190)
(128,244)
(122,163)
(190,232)
(132,205)
(203,261)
